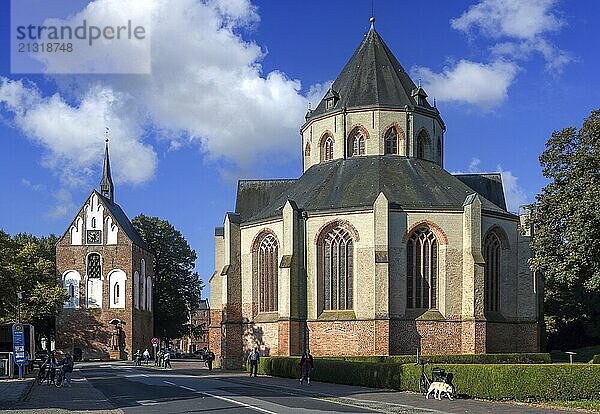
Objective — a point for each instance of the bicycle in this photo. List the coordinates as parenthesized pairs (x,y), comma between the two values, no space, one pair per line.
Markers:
(41,376)
(59,380)
(424,381)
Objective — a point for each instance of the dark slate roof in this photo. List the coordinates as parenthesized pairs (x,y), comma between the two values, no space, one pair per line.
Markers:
(373,77)
(488,185)
(346,184)
(123,221)
(254,195)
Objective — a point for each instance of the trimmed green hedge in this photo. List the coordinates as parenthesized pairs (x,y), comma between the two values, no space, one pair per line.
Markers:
(521,382)
(596,359)
(540,358)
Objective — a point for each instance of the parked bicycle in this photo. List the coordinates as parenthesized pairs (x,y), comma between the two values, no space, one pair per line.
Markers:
(437,374)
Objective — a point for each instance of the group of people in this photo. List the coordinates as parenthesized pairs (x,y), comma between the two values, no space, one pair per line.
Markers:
(161,359)
(53,362)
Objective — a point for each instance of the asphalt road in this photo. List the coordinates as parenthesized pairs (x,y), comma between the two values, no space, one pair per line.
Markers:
(134,390)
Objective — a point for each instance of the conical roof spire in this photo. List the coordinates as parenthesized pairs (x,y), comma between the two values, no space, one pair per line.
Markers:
(107,188)
(372,78)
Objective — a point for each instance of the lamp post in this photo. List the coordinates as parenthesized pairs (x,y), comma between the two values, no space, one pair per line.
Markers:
(19,299)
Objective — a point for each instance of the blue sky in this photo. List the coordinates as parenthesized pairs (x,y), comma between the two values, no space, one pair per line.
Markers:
(231,81)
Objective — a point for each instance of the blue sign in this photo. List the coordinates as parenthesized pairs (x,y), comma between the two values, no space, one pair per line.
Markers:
(18,333)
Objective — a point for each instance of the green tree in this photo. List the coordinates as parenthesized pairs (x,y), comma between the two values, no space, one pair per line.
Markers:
(27,265)
(566,244)
(176,286)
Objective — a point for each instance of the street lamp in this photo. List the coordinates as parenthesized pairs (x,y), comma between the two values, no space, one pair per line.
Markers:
(19,299)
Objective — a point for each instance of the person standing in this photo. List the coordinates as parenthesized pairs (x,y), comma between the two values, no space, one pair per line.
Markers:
(137,357)
(210,357)
(306,367)
(167,359)
(146,356)
(67,368)
(253,360)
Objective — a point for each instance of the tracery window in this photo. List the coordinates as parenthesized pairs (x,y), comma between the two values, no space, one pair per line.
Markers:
(423,143)
(391,141)
(267,253)
(327,149)
(336,269)
(492,254)
(422,269)
(356,143)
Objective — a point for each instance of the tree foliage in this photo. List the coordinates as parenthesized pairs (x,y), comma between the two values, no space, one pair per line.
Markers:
(566,245)
(176,286)
(27,264)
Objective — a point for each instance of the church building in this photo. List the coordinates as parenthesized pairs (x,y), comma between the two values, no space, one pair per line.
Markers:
(106,269)
(375,249)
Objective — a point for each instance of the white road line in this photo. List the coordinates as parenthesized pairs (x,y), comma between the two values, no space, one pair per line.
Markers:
(170,383)
(229,400)
(187,388)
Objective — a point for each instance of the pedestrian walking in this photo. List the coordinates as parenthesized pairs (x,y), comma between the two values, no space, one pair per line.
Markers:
(167,359)
(210,357)
(146,356)
(253,360)
(306,367)
(137,357)
(158,358)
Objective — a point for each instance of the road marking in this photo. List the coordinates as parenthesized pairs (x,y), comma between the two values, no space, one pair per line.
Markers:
(148,402)
(170,383)
(187,388)
(229,400)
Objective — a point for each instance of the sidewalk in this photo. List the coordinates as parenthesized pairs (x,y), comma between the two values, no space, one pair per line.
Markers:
(14,390)
(82,396)
(393,401)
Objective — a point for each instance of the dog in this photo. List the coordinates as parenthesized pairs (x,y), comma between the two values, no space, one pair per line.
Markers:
(438,388)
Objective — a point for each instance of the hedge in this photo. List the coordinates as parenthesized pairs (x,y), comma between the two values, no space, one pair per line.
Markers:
(596,359)
(521,382)
(539,358)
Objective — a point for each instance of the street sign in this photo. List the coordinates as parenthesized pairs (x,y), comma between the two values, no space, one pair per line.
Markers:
(19,344)
(154,341)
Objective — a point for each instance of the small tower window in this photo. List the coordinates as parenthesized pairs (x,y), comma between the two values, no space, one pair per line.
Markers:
(93,222)
(356,143)
(391,141)
(327,148)
(423,144)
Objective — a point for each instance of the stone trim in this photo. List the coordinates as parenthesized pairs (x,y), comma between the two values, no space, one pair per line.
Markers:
(259,236)
(498,231)
(440,235)
(345,224)
(327,133)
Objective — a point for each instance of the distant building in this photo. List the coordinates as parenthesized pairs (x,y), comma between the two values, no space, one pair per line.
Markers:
(376,249)
(106,269)
(200,320)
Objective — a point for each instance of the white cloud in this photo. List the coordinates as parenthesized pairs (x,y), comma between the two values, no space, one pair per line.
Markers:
(206,87)
(64,205)
(474,165)
(523,23)
(514,194)
(485,85)
(73,135)
(510,18)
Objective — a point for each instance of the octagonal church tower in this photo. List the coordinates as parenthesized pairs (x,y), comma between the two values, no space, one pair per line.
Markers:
(107,270)
(376,249)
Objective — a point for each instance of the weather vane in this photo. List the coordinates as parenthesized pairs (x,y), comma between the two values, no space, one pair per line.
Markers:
(106,133)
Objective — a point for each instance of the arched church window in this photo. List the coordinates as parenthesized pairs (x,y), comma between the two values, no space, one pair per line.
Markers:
(136,290)
(492,254)
(336,269)
(423,143)
(71,281)
(267,256)
(117,281)
(327,148)
(422,269)
(94,270)
(439,149)
(307,149)
(356,143)
(391,141)
(142,284)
